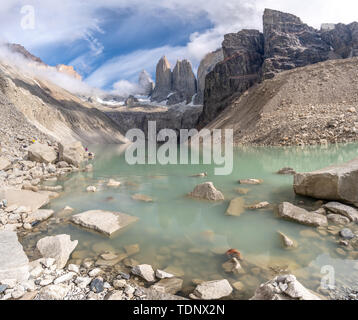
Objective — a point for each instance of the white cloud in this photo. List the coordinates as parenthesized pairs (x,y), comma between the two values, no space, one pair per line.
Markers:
(69,20)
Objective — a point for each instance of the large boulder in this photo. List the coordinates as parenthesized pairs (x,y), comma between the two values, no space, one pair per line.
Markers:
(336,183)
(57,247)
(213,290)
(207,191)
(290,212)
(39,216)
(284,287)
(144,271)
(106,222)
(163,84)
(73,153)
(41,153)
(171,285)
(14,263)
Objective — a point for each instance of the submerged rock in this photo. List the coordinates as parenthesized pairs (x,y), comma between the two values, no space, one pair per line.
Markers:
(213,290)
(283,288)
(14,263)
(289,211)
(251,181)
(286,171)
(336,183)
(347,234)
(142,197)
(287,243)
(106,222)
(57,247)
(207,191)
(236,207)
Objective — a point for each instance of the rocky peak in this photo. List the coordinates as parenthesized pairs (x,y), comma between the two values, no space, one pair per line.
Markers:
(163,80)
(145,83)
(281,22)
(244,40)
(184,81)
(69,70)
(17,48)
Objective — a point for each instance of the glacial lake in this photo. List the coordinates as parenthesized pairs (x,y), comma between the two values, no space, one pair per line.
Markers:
(191,235)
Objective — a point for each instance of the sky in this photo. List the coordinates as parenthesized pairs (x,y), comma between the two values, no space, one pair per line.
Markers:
(110,41)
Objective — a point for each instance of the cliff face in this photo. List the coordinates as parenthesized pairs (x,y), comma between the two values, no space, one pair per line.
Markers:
(235,74)
(286,43)
(206,65)
(163,83)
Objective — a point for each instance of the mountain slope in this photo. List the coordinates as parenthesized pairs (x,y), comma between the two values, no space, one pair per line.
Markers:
(308,105)
(55,111)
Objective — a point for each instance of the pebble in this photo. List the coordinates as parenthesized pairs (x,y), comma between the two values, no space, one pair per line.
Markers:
(97,285)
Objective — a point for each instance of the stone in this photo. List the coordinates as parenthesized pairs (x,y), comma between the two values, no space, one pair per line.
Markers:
(41,153)
(109,256)
(97,285)
(172,285)
(233,266)
(144,271)
(28,296)
(83,282)
(337,219)
(14,263)
(53,292)
(30,200)
(142,197)
(105,222)
(285,287)
(114,295)
(251,181)
(206,65)
(238,71)
(335,183)
(160,274)
(119,284)
(286,242)
(73,268)
(242,191)
(57,247)
(207,191)
(286,171)
(95,272)
(347,234)
(39,216)
(238,286)
(72,153)
(344,210)
(113,183)
(66,277)
(290,212)
(213,290)
(258,206)
(163,80)
(4,164)
(154,295)
(18,292)
(236,207)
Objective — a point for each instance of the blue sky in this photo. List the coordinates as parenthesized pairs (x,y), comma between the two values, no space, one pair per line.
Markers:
(112,40)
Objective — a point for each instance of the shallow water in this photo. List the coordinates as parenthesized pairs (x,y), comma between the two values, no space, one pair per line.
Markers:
(178,231)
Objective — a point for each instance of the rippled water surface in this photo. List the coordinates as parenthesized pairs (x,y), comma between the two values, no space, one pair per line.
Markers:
(190,235)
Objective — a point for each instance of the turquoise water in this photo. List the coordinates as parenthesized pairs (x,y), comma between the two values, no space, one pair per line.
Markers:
(179,231)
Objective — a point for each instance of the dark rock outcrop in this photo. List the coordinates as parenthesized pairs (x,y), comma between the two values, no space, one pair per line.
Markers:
(184,81)
(286,43)
(163,84)
(289,43)
(235,74)
(206,65)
